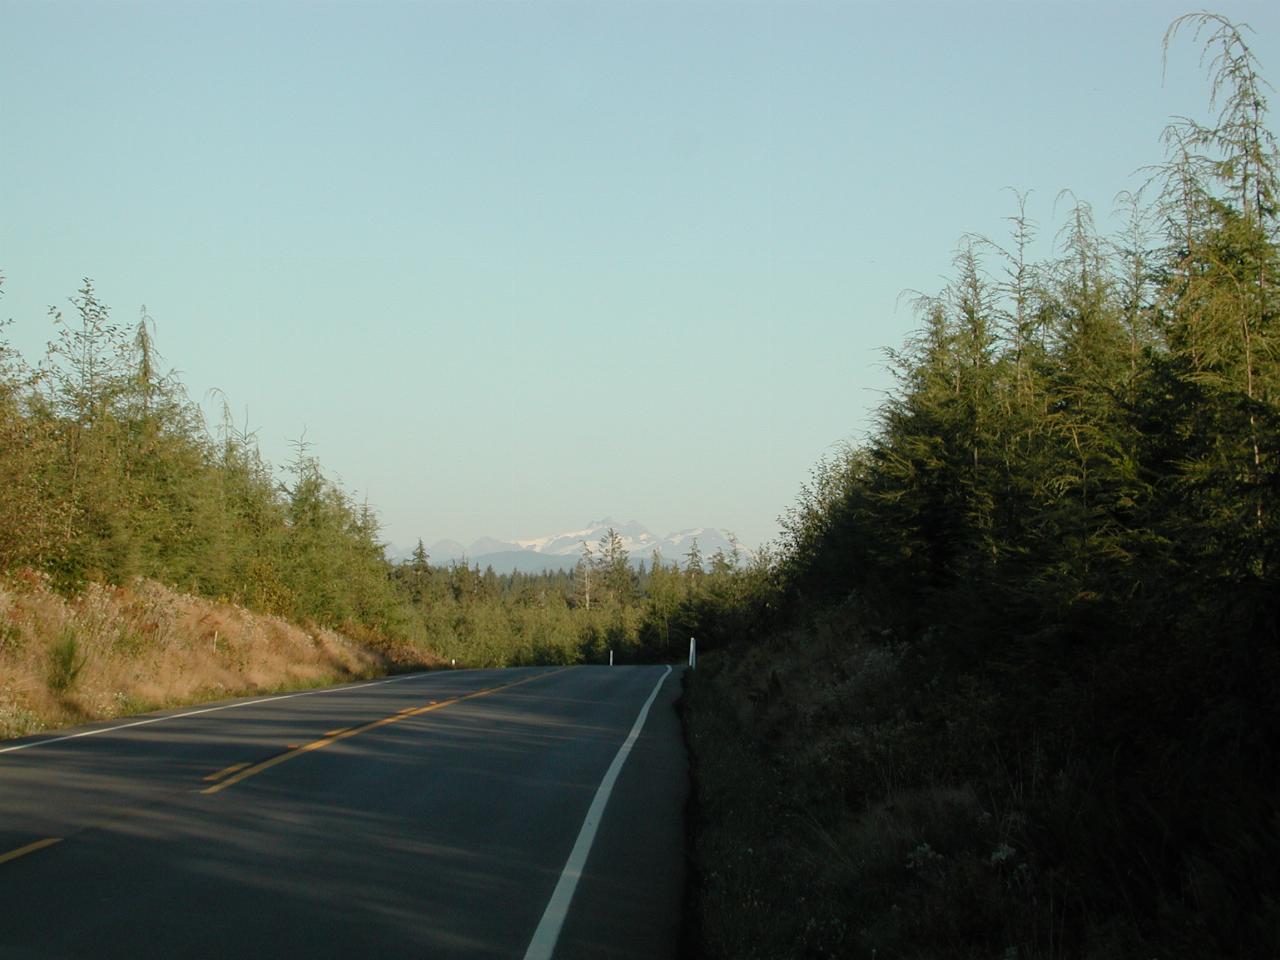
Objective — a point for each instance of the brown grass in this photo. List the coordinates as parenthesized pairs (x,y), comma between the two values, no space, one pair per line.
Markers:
(112,651)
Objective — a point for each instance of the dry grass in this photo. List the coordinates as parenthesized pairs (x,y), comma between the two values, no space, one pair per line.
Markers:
(112,651)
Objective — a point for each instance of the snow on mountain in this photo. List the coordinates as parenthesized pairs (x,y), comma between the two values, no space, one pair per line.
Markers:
(675,546)
(637,541)
(635,538)
(559,543)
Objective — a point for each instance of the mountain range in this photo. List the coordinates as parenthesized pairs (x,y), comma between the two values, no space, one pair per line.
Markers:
(561,551)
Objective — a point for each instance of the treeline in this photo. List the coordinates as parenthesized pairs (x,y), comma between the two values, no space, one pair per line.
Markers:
(1045,656)
(109,472)
(640,612)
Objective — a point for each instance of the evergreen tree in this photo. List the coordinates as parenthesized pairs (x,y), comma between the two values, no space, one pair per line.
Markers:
(616,575)
(693,563)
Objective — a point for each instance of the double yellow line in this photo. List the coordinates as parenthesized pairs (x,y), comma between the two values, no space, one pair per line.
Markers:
(29,848)
(241,772)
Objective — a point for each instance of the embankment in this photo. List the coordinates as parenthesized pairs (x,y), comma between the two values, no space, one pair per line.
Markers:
(112,651)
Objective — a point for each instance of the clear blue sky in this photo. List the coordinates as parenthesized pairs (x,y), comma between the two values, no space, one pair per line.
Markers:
(513,266)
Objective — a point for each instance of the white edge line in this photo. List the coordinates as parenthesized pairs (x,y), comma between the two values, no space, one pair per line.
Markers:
(543,943)
(225,706)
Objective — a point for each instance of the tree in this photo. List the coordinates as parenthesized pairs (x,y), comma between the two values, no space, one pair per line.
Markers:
(417,574)
(1220,300)
(418,560)
(32,519)
(693,563)
(584,571)
(665,594)
(83,378)
(615,567)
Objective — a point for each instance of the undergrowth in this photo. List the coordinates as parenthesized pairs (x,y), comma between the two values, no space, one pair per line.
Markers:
(854,799)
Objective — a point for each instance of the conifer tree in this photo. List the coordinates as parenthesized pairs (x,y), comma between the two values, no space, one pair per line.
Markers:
(615,567)
(1221,300)
(693,564)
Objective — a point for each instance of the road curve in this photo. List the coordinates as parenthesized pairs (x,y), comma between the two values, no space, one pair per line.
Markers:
(423,816)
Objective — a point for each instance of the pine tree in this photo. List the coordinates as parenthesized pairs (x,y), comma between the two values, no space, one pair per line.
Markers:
(693,564)
(1222,308)
(615,567)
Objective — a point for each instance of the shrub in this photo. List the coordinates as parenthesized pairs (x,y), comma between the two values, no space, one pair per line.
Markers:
(66,660)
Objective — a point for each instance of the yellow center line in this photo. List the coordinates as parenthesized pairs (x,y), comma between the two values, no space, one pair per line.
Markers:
(226,770)
(334,733)
(354,731)
(29,848)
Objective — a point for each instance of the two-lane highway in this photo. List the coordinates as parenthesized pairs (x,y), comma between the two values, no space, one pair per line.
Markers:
(503,813)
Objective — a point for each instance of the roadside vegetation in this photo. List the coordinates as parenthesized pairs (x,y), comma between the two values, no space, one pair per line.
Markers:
(110,651)
(148,560)
(641,612)
(1010,687)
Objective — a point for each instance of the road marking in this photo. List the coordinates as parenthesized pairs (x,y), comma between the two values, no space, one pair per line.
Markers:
(334,733)
(29,848)
(544,939)
(226,770)
(355,731)
(225,706)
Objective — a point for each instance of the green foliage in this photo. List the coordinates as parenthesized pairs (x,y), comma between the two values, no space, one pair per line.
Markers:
(1047,590)
(108,471)
(66,660)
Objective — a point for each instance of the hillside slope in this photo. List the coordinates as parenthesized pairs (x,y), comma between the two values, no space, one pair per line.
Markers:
(111,651)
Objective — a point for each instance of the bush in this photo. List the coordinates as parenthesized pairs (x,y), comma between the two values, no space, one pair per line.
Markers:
(66,660)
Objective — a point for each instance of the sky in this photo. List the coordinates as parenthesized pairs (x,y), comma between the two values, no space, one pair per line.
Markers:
(511,267)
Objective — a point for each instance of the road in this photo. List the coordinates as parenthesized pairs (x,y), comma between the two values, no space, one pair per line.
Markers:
(424,816)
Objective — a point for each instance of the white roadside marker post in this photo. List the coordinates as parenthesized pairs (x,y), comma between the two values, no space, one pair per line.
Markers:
(611,658)
(693,653)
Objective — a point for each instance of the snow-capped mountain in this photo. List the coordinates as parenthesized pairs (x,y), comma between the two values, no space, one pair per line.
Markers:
(562,550)
(634,538)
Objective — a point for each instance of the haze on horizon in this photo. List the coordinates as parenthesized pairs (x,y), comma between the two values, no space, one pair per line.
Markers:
(512,268)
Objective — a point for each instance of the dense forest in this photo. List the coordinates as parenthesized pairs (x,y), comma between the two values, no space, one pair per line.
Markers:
(1012,686)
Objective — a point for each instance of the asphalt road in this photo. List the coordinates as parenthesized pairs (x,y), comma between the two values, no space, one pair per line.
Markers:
(427,816)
